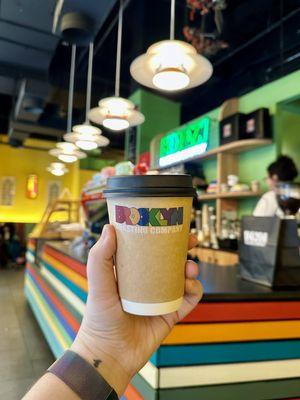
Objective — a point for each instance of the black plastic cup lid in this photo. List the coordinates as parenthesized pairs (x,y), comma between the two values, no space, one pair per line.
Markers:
(150,186)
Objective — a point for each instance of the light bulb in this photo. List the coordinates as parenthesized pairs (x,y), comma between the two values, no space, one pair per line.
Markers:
(86,144)
(171,79)
(66,147)
(57,169)
(115,123)
(57,172)
(68,158)
(86,129)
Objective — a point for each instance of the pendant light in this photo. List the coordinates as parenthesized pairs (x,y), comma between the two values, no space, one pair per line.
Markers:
(68,152)
(57,169)
(86,136)
(117,113)
(171,65)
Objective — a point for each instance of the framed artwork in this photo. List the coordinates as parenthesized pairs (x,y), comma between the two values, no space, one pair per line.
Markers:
(53,192)
(7,190)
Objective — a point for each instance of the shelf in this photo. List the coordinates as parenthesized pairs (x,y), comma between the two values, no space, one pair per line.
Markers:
(228,195)
(236,147)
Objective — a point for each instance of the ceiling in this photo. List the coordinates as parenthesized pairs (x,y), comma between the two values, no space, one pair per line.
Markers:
(263,38)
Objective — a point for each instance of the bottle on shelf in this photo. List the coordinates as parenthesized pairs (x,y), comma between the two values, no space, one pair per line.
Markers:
(205,226)
(212,226)
(199,231)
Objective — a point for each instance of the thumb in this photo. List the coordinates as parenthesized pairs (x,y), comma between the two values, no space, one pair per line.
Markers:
(100,266)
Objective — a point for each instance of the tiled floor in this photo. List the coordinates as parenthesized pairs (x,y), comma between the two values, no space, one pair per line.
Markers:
(24,353)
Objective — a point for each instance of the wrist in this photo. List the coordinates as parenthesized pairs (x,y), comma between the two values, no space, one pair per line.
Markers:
(105,364)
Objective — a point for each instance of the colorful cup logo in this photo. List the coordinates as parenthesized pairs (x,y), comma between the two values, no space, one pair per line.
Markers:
(149,216)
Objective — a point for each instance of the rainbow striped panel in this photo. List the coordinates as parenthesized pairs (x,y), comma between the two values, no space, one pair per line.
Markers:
(217,353)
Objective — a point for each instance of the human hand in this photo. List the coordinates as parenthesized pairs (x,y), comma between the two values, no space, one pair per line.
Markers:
(123,342)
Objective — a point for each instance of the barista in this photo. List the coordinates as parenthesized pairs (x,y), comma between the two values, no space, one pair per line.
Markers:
(281,170)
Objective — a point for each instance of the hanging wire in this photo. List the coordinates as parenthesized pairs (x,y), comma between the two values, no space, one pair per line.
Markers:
(119,47)
(71,88)
(172,20)
(89,82)
(281,36)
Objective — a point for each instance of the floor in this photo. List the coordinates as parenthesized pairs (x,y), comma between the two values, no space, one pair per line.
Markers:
(24,353)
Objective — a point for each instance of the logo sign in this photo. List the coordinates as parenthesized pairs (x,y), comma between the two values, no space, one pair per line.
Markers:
(184,143)
(149,220)
(256,238)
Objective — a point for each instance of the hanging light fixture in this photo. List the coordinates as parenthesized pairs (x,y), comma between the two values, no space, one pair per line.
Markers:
(68,152)
(171,65)
(86,136)
(117,113)
(57,169)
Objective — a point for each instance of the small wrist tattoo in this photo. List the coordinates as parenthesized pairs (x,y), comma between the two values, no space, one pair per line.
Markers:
(96,363)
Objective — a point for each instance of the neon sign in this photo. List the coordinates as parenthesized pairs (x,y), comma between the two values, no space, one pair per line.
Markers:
(184,143)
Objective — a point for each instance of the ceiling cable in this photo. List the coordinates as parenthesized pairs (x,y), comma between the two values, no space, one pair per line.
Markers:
(172,20)
(89,82)
(119,46)
(71,88)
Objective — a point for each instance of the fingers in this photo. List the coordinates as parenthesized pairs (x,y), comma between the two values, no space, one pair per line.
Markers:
(191,270)
(193,241)
(100,272)
(193,290)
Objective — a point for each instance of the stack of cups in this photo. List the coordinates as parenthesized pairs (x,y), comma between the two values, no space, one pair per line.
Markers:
(151,216)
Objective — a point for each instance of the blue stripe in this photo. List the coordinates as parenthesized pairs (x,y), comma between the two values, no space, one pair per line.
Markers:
(74,288)
(61,318)
(31,251)
(218,353)
(55,346)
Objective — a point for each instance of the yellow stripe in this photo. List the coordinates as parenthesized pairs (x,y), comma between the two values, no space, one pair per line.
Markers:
(44,311)
(233,332)
(79,280)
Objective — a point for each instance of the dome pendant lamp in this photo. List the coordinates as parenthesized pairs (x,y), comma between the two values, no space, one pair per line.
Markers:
(57,169)
(86,136)
(68,152)
(171,65)
(116,113)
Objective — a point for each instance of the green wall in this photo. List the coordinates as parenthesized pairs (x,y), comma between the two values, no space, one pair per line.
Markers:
(286,133)
(289,124)
(161,115)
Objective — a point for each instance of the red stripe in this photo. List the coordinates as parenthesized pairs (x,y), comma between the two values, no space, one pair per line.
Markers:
(66,260)
(132,394)
(245,311)
(31,242)
(74,324)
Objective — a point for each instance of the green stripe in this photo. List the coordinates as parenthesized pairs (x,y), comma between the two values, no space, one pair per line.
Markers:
(65,302)
(278,389)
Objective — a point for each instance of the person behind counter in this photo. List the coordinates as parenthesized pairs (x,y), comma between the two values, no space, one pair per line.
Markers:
(281,170)
(111,345)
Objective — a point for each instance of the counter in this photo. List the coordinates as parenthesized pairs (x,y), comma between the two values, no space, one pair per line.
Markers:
(241,341)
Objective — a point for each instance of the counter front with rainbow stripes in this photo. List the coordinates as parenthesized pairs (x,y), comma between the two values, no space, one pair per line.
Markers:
(231,346)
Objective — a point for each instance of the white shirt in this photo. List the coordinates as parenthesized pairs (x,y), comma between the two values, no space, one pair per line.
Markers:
(267,206)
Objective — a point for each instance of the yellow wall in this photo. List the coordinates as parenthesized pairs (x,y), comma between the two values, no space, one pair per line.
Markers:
(19,163)
(85,176)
